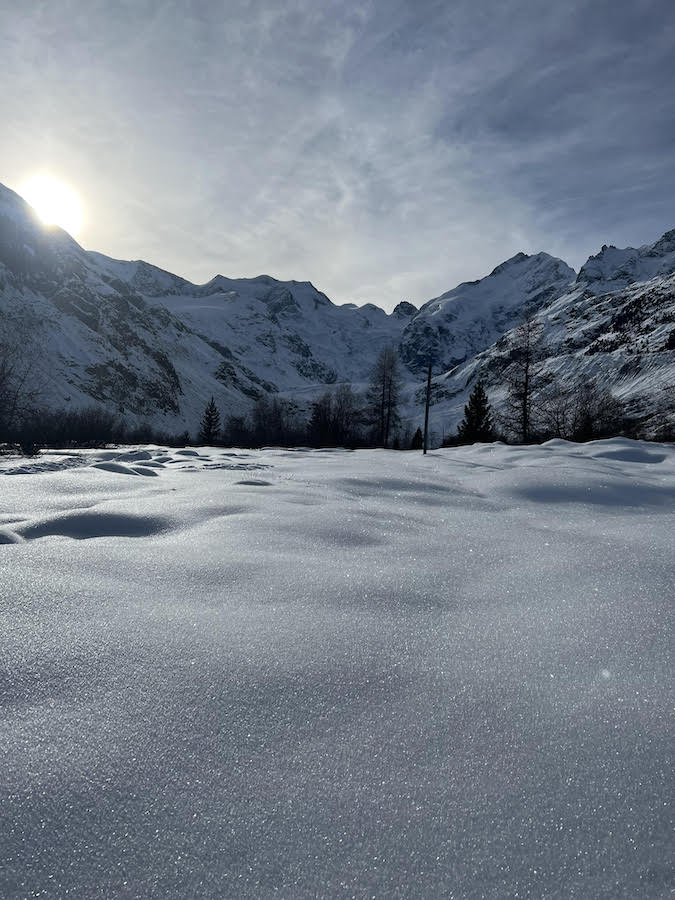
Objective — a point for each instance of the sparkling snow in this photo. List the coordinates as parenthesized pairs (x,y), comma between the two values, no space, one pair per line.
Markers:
(337,674)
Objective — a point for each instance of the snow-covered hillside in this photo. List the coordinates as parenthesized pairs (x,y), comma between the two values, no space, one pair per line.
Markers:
(459,324)
(621,336)
(325,674)
(152,347)
(613,269)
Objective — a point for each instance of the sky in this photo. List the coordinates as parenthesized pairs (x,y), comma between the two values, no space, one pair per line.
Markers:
(385,151)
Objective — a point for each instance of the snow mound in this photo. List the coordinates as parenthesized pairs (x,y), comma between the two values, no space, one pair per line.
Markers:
(84,525)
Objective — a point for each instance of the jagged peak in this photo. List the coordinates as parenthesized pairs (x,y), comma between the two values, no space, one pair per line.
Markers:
(613,267)
(666,243)
(532,261)
(509,263)
(532,270)
(404,310)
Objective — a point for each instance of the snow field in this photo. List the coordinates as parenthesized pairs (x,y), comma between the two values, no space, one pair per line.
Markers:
(323,673)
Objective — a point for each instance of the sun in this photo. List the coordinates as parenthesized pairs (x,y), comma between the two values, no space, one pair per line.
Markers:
(54,201)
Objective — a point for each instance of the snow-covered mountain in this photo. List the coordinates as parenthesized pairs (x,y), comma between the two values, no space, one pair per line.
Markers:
(152,346)
(460,323)
(613,269)
(615,323)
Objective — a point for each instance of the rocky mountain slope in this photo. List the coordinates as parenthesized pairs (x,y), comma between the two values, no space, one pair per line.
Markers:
(615,323)
(152,346)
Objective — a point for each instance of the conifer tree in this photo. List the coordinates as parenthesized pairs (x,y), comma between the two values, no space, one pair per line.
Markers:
(417,441)
(209,429)
(477,422)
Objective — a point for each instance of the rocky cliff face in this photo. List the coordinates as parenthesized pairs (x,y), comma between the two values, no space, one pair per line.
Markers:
(153,347)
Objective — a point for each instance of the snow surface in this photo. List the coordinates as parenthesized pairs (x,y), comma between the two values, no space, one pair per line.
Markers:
(325,674)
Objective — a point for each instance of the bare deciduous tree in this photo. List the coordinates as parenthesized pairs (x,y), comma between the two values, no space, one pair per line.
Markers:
(523,379)
(346,416)
(583,412)
(19,388)
(383,396)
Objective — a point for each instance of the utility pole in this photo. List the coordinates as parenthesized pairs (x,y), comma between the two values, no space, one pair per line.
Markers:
(426,410)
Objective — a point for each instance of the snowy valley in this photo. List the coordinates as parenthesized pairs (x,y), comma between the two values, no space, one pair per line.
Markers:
(316,673)
(337,450)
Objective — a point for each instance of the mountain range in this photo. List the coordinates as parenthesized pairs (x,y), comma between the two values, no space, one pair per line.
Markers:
(153,347)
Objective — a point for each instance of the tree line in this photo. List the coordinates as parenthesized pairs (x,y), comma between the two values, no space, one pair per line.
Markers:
(538,406)
(339,418)
(26,424)
(534,406)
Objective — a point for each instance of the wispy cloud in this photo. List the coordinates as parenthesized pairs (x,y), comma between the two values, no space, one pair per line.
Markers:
(384,150)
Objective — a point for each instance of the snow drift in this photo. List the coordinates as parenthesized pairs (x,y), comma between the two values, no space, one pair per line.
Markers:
(306,673)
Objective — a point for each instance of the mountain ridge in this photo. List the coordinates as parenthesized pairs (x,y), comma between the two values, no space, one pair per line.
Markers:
(152,346)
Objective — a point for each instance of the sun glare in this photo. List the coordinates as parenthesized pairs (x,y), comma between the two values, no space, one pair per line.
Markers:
(54,202)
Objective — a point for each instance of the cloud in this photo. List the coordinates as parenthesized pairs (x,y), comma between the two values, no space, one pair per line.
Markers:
(382,150)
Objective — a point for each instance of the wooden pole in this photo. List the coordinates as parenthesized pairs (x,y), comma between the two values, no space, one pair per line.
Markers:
(426,411)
